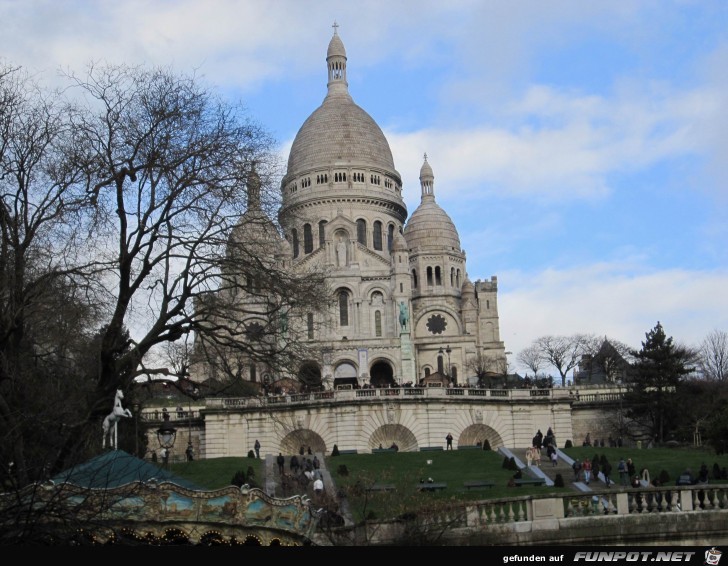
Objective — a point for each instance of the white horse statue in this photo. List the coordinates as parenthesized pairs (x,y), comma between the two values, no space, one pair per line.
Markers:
(112,419)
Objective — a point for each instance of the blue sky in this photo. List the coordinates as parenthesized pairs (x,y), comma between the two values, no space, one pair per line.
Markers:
(581,148)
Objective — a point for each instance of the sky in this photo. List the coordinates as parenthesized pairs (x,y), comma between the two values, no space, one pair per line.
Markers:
(580,148)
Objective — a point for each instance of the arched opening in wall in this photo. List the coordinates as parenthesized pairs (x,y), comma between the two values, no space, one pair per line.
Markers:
(345,376)
(390,236)
(294,440)
(476,434)
(377,235)
(294,236)
(429,276)
(414,279)
(382,375)
(387,435)
(310,376)
(307,239)
(438,277)
(322,233)
(361,231)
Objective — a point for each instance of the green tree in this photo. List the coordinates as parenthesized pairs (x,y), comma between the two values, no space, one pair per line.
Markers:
(651,395)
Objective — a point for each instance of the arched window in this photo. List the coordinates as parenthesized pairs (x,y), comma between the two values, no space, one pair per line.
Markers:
(307,239)
(427,372)
(438,278)
(457,279)
(309,325)
(440,365)
(253,373)
(322,233)
(361,231)
(378,323)
(414,279)
(377,235)
(452,277)
(390,237)
(429,276)
(454,374)
(294,237)
(343,308)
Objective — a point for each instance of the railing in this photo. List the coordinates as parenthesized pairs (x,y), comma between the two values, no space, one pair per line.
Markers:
(387,393)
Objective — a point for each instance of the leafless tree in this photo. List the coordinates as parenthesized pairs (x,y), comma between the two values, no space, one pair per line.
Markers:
(167,168)
(562,352)
(532,358)
(133,206)
(487,368)
(713,356)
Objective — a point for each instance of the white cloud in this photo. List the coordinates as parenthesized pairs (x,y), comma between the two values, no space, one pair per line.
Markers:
(613,300)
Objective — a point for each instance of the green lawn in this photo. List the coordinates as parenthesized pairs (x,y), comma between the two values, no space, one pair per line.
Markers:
(405,470)
(217,473)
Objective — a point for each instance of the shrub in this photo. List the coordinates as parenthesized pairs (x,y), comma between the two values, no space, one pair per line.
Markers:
(568,444)
(559,481)
(486,445)
(343,470)
(716,471)
(505,464)
(335,451)
(251,474)
(251,454)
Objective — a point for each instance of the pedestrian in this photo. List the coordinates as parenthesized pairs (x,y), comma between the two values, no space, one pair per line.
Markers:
(318,486)
(607,471)
(622,469)
(631,470)
(576,466)
(529,456)
(555,458)
(281,461)
(257,449)
(294,464)
(448,439)
(190,453)
(316,463)
(586,466)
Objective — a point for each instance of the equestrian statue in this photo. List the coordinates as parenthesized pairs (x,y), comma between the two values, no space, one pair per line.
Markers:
(112,419)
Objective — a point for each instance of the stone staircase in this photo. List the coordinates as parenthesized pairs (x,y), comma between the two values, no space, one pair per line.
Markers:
(548,471)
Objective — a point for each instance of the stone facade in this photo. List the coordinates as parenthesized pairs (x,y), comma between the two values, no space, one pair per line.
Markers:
(399,305)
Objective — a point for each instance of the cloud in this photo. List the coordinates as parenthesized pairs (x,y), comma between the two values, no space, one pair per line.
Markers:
(614,300)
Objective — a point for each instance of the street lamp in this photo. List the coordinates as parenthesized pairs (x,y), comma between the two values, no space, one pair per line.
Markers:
(136,407)
(166,435)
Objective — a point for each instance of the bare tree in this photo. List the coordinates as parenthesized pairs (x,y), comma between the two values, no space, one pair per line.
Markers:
(167,166)
(487,368)
(46,318)
(562,352)
(532,358)
(126,205)
(713,356)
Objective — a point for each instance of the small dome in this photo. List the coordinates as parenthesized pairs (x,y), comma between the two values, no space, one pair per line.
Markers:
(468,287)
(336,47)
(399,244)
(431,227)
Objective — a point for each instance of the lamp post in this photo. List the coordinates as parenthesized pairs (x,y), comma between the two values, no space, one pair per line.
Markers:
(136,429)
(166,435)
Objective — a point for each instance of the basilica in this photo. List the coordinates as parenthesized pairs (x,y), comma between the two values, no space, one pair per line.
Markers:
(399,307)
